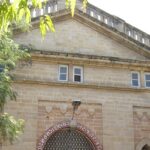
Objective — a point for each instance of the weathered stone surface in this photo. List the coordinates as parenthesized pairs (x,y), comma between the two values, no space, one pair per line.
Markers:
(116,113)
(74,37)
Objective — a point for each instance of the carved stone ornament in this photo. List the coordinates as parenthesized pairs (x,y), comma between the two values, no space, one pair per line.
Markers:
(91,111)
(142,115)
(63,125)
(48,109)
(63,108)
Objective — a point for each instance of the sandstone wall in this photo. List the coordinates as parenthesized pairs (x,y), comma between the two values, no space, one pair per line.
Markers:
(74,37)
(108,113)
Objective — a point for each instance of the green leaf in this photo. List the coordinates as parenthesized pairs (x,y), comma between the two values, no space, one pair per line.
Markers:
(34,3)
(84,4)
(50,23)
(67,4)
(21,14)
(72,6)
(42,27)
(46,24)
(10,128)
(28,15)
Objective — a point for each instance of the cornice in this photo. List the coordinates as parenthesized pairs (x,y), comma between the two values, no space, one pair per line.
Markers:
(112,33)
(88,60)
(81,85)
(100,27)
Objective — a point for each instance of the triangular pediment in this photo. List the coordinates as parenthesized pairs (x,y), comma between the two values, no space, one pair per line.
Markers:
(82,35)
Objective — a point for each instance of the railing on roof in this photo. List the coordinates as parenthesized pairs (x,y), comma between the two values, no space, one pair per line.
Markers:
(102,16)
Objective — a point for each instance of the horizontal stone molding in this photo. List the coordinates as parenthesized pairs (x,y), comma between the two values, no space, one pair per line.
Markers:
(81,85)
(89,60)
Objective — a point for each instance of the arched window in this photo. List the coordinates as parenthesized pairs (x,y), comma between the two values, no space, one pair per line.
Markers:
(67,139)
(144,144)
(63,137)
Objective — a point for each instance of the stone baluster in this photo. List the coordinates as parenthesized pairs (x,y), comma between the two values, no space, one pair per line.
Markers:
(119,24)
(102,16)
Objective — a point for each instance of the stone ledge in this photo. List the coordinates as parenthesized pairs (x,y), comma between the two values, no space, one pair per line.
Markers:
(76,58)
(82,85)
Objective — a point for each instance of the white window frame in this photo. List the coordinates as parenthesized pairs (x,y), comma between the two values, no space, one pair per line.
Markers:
(78,67)
(63,73)
(139,84)
(146,80)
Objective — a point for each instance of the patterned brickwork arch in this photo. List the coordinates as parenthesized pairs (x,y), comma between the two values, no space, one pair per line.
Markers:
(142,143)
(64,125)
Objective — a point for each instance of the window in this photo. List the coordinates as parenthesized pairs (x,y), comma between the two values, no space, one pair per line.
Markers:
(63,73)
(77,74)
(135,79)
(147,80)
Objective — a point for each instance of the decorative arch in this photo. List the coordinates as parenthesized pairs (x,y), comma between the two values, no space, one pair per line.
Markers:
(142,143)
(62,125)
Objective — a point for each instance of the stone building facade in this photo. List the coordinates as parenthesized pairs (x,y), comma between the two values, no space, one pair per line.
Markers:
(91,60)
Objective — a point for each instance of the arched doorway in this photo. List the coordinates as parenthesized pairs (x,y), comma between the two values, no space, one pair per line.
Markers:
(144,144)
(62,137)
(146,147)
(67,139)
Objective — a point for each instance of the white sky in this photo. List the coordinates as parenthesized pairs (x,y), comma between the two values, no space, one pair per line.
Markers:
(135,12)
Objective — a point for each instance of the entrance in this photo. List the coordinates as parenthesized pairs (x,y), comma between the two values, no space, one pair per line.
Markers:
(146,147)
(63,137)
(68,139)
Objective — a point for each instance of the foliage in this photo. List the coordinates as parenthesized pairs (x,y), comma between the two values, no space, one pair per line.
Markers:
(10,128)
(46,24)
(12,14)
(10,54)
(71,4)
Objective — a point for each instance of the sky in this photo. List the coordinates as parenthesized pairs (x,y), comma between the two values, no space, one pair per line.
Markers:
(134,12)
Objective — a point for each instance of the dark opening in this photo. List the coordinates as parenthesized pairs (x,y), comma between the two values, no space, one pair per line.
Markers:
(146,147)
(67,139)
(77,78)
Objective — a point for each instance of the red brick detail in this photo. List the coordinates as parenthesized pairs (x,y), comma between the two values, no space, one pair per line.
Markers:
(87,133)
